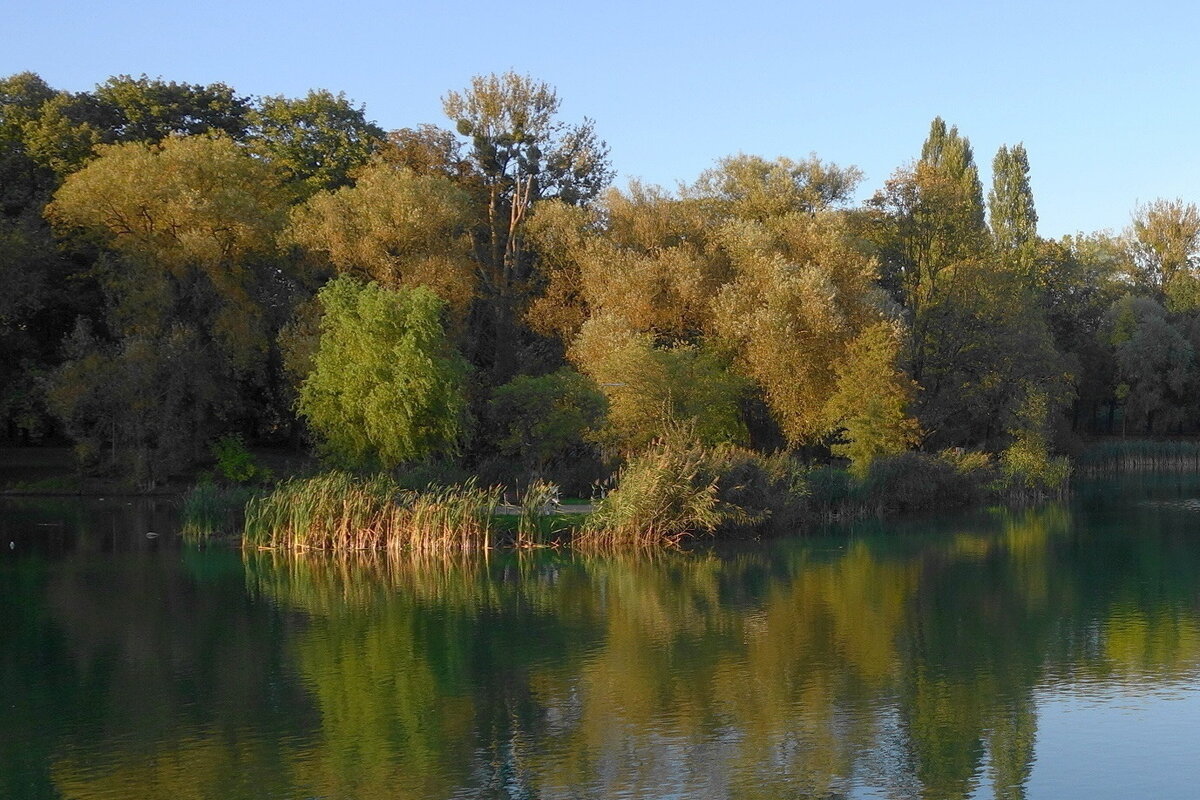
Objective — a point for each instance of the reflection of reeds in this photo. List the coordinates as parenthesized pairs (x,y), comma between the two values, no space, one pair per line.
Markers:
(1138,455)
(323,582)
(341,512)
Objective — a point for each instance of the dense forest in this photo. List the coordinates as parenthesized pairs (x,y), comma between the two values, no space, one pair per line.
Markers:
(182,264)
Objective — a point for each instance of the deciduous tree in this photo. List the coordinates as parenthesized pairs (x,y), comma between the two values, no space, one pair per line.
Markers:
(396,228)
(520,153)
(386,387)
(317,141)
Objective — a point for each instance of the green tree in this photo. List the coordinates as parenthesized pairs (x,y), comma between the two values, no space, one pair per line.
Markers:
(974,330)
(316,141)
(1164,243)
(1083,276)
(386,387)
(138,405)
(191,224)
(24,184)
(548,421)
(29,330)
(1155,363)
(1012,215)
(149,109)
(872,399)
(950,155)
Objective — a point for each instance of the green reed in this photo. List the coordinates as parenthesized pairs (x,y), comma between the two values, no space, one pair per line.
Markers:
(338,511)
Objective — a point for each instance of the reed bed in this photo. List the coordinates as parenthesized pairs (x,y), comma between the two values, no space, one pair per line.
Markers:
(210,510)
(337,511)
(536,516)
(1140,455)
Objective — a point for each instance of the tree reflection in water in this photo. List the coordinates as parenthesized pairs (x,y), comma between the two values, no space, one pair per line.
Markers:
(905,663)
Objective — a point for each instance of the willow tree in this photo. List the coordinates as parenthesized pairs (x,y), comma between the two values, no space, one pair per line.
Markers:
(752,187)
(396,228)
(800,294)
(387,387)
(751,272)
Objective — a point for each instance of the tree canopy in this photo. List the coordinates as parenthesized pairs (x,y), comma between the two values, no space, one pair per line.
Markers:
(182,261)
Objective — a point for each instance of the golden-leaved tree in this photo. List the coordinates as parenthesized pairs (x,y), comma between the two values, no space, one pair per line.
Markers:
(194,292)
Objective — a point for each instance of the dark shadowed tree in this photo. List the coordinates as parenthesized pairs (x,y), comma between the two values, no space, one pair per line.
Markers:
(317,141)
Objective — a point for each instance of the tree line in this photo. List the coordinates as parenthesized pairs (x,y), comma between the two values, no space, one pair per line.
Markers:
(182,263)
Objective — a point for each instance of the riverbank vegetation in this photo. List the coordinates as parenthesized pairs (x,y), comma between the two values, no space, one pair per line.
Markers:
(192,270)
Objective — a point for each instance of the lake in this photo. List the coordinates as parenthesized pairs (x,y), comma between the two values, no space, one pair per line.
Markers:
(1044,653)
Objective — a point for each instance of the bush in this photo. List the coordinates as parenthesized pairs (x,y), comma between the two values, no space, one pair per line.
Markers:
(678,488)
(758,492)
(545,423)
(663,494)
(832,492)
(236,463)
(1028,471)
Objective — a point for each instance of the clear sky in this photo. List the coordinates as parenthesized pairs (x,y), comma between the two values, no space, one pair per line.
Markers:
(1104,95)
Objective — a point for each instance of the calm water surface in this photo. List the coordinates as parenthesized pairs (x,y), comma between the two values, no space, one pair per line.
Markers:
(1051,653)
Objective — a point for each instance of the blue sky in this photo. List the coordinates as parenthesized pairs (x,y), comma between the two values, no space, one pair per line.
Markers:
(1103,95)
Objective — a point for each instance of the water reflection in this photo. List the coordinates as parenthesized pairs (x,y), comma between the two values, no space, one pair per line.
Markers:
(894,661)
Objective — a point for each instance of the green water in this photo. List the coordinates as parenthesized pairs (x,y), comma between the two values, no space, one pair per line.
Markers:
(1052,653)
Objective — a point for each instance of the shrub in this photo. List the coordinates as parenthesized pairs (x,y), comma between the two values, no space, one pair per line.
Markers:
(236,463)
(759,492)
(832,492)
(546,422)
(663,494)
(678,488)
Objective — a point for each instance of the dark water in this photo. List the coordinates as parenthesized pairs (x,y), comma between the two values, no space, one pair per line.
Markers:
(1053,653)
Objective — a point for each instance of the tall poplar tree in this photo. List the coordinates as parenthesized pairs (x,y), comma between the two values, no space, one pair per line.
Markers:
(971,331)
(949,156)
(1012,215)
